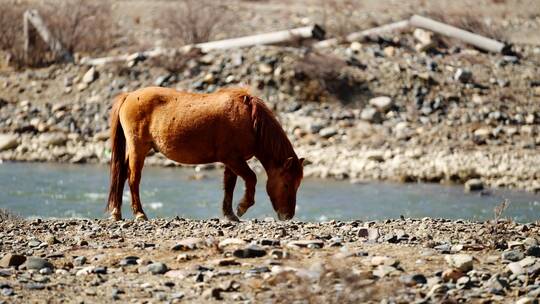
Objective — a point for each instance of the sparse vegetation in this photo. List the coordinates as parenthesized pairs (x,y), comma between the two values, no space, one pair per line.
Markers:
(193,21)
(338,17)
(81,27)
(6,215)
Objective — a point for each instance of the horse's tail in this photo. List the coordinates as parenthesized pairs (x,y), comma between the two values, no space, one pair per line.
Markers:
(119,166)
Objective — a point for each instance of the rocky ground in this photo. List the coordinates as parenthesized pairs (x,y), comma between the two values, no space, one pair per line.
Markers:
(395,261)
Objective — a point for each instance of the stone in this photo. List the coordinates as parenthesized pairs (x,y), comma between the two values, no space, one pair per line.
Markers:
(188,244)
(526,300)
(51,240)
(463,282)
(231,242)
(53,139)
(371,115)
(474,184)
(371,234)
(463,262)
(90,76)
(451,275)
(463,75)
(383,260)
(533,251)
(213,293)
(413,280)
(37,263)
(265,68)
(8,142)
(515,268)
(252,251)
(79,261)
(157,268)
(306,244)
(162,80)
(512,255)
(12,260)
(382,103)
(328,132)
(425,39)
(383,270)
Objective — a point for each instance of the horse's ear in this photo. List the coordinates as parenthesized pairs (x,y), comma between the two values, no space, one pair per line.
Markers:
(288,163)
(301,160)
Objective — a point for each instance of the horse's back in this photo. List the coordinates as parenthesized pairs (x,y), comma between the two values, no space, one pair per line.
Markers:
(190,127)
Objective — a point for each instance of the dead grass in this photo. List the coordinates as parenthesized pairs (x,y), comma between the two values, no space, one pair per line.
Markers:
(498,225)
(468,21)
(338,18)
(193,21)
(81,27)
(6,216)
(326,77)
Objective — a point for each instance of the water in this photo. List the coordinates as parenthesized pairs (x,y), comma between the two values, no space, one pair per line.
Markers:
(53,190)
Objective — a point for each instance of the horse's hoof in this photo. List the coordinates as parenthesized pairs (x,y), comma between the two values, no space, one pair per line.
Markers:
(116,217)
(141,217)
(232,218)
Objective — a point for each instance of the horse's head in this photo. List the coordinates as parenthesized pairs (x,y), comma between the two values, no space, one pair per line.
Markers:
(283,182)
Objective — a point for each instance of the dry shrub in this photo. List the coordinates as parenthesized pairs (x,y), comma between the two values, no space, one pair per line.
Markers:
(326,77)
(193,21)
(468,21)
(175,62)
(80,26)
(7,216)
(338,17)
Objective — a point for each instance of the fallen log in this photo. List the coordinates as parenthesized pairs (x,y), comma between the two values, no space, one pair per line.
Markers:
(357,36)
(314,31)
(478,41)
(33,17)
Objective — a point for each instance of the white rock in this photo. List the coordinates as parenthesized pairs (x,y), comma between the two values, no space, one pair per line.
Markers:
(463,262)
(8,142)
(90,76)
(383,103)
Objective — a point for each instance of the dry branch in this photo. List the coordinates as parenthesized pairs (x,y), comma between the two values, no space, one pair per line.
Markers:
(478,41)
(33,17)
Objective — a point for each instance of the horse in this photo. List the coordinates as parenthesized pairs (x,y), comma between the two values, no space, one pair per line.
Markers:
(229,126)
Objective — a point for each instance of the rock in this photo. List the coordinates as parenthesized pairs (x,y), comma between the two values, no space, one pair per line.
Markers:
(265,68)
(328,132)
(463,75)
(463,262)
(512,255)
(526,300)
(451,275)
(425,39)
(371,234)
(515,268)
(252,251)
(463,282)
(8,142)
(533,251)
(382,103)
(12,260)
(53,139)
(79,261)
(157,268)
(383,260)
(162,80)
(413,280)
(231,242)
(90,76)
(213,293)
(383,270)
(188,244)
(269,242)
(51,240)
(474,184)
(37,263)
(314,244)
(371,115)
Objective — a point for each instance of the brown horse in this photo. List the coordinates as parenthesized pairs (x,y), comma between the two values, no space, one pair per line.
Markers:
(229,126)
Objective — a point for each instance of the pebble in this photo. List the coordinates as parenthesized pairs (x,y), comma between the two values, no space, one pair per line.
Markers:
(37,263)
(188,244)
(306,244)
(463,262)
(157,268)
(252,251)
(512,255)
(12,260)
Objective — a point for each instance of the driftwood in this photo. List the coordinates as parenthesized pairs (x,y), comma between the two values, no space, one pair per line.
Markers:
(478,41)
(315,32)
(33,17)
(357,36)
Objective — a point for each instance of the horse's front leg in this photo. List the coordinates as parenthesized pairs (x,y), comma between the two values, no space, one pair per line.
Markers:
(242,169)
(229,182)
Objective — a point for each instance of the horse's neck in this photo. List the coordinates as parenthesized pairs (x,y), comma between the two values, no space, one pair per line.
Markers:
(274,159)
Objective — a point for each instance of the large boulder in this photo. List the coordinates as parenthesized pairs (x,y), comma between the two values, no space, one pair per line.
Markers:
(8,142)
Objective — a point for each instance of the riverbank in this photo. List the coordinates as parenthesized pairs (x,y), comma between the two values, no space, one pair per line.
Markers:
(403,260)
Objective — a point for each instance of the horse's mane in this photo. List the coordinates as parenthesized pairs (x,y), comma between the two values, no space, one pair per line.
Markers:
(272,142)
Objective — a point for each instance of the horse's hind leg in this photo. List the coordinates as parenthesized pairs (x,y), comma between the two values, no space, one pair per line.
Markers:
(229,182)
(242,169)
(136,155)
